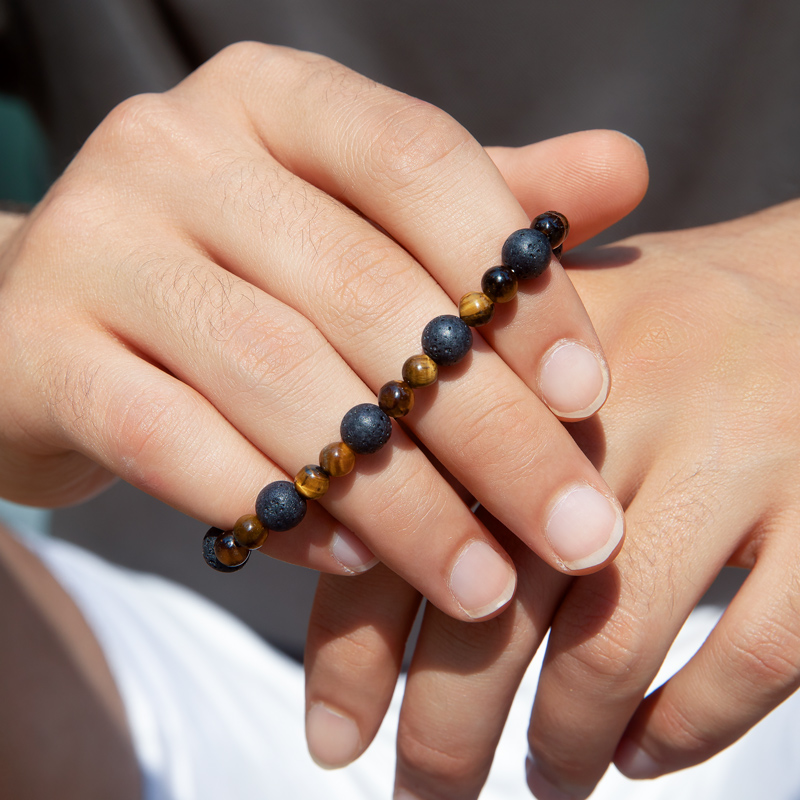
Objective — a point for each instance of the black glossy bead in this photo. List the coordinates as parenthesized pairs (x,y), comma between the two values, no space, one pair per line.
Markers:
(365,428)
(527,253)
(553,225)
(209,541)
(280,507)
(446,339)
(499,284)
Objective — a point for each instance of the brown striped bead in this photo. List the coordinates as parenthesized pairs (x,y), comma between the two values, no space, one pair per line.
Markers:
(476,309)
(396,398)
(420,371)
(250,532)
(337,459)
(312,481)
(228,552)
(499,284)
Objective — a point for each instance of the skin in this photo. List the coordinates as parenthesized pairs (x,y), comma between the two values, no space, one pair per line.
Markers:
(187,261)
(700,438)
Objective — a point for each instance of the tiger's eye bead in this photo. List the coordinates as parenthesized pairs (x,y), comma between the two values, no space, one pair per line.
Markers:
(420,371)
(499,284)
(526,253)
(553,225)
(229,553)
(249,532)
(337,459)
(365,428)
(209,542)
(446,339)
(476,309)
(396,398)
(312,481)
(279,506)
(557,251)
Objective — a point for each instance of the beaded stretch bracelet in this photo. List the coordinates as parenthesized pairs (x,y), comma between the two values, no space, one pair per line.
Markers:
(366,428)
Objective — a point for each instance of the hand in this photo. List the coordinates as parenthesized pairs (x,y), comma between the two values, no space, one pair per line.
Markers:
(225,269)
(701,439)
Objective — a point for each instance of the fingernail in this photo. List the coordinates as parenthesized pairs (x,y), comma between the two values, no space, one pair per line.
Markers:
(584,527)
(333,739)
(573,380)
(482,580)
(351,552)
(634,763)
(404,794)
(542,789)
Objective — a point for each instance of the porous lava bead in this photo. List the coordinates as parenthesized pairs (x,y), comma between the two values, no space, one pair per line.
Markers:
(249,532)
(420,371)
(526,253)
(446,339)
(337,459)
(553,225)
(499,284)
(312,481)
(229,552)
(365,428)
(279,506)
(476,309)
(209,540)
(396,398)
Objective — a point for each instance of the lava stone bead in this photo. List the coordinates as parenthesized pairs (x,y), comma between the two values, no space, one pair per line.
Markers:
(526,253)
(553,225)
(476,309)
(249,532)
(499,284)
(337,459)
(420,371)
(446,339)
(365,428)
(312,481)
(209,542)
(396,398)
(279,506)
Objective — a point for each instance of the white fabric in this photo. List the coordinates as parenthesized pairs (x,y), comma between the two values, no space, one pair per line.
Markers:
(216,713)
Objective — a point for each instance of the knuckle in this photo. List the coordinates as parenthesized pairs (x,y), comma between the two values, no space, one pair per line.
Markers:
(437,759)
(607,644)
(416,142)
(680,734)
(239,57)
(765,657)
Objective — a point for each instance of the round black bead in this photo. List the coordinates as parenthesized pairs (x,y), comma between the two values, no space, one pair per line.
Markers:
(365,428)
(526,253)
(553,225)
(280,506)
(446,339)
(209,540)
(499,284)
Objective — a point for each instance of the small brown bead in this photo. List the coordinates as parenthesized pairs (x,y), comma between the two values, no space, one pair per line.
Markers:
(420,371)
(228,552)
(312,481)
(337,459)
(396,398)
(476,309)
(250,532)
(499,284)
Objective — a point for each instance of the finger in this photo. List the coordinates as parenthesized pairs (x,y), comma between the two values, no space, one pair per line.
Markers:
(420,176)
(747,667)
(613,629)
(461,685)
(594,177)
(265,367)
(171,442)
(354,651)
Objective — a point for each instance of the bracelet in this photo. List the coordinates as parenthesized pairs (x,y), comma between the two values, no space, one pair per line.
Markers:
(366,428)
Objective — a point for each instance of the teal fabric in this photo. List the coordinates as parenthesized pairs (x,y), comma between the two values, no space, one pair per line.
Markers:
(23,153)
